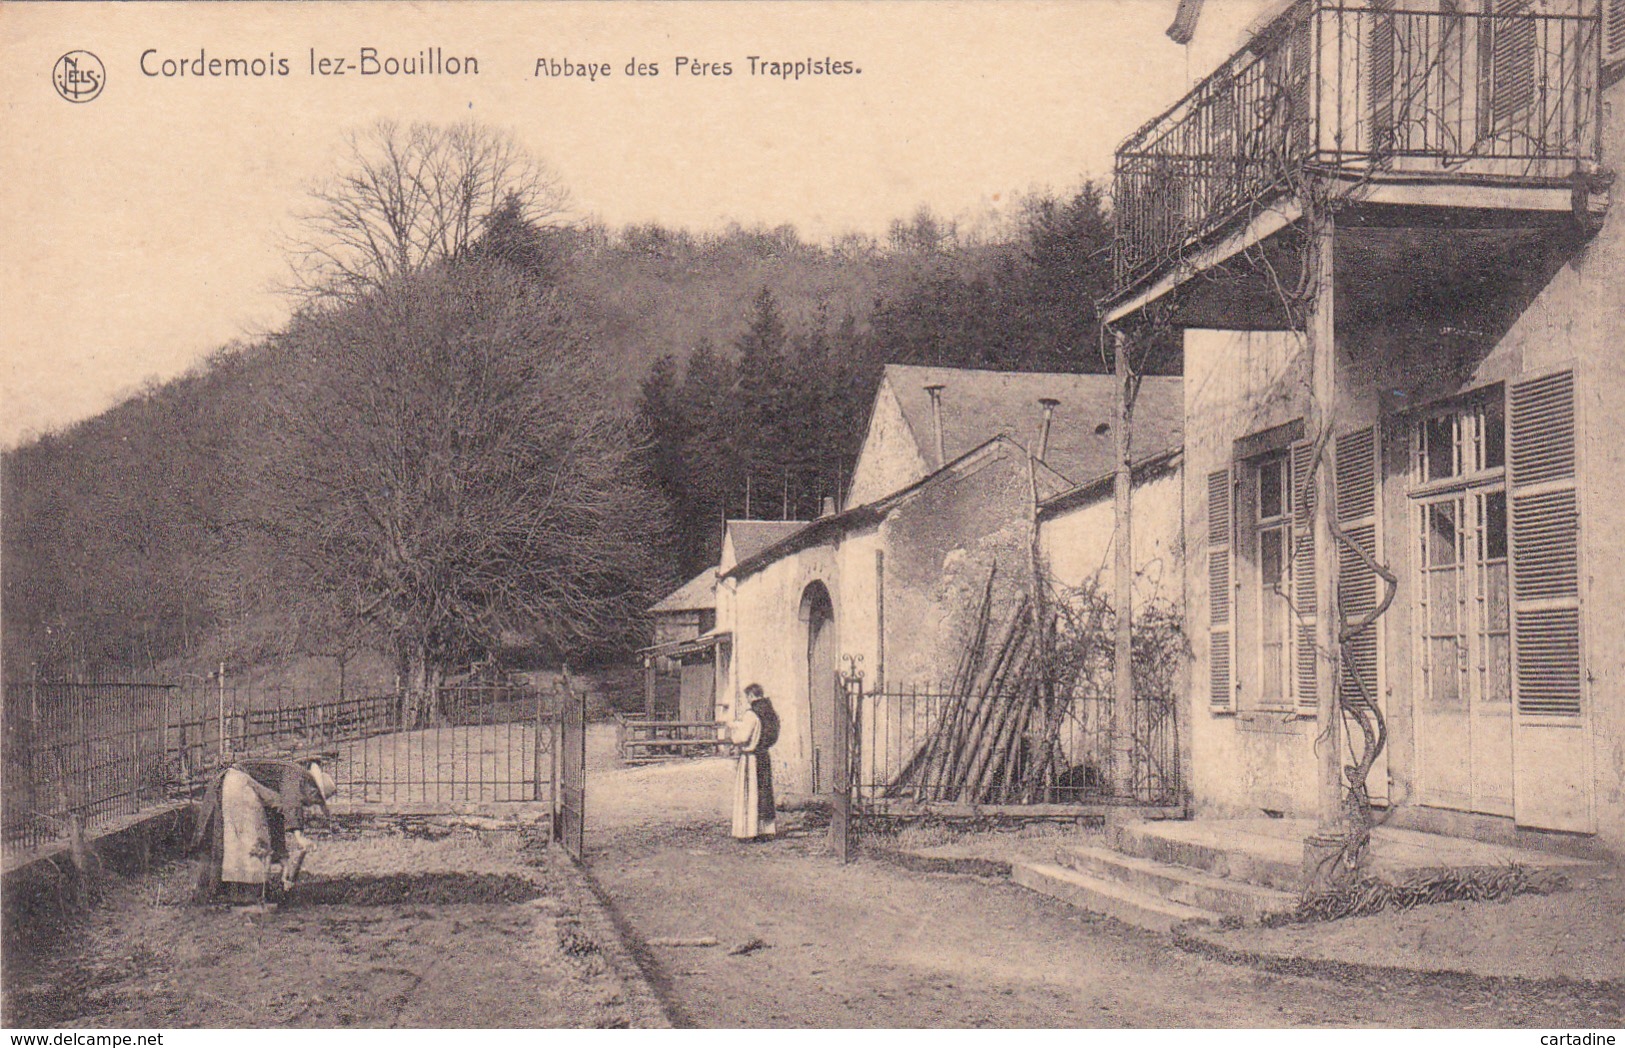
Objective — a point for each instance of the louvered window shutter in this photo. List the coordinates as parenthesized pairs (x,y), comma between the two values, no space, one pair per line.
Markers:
(1550,755)
(1305,662)
(1221,137)
(1293,69)
(1510,53)
(1381,66)
(1613,31)
(1357,584)
(1221,612)
(1545,547)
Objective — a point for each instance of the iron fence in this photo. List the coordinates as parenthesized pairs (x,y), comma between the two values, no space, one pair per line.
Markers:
(917,746)
(1367,91)
(1230,141)
(83,754)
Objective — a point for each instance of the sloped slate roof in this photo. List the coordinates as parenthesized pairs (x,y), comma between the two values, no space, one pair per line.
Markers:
(979,405)
(751,537)
(697,594)
(1100,488)
(823,528)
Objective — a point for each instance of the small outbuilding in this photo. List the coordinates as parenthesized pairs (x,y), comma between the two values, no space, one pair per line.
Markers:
(947,492)
(680,665)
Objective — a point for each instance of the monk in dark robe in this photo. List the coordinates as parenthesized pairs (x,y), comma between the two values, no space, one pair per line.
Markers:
(754,732)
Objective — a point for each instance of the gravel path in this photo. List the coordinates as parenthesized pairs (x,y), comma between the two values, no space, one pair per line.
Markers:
(874,944)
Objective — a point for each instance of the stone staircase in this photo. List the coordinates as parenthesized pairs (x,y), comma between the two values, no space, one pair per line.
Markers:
(1157,875)
(1151,882)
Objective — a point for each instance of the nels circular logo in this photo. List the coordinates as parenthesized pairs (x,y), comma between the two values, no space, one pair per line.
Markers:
(79,76)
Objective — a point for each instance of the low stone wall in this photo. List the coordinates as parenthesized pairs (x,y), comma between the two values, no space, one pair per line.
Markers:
(40,897)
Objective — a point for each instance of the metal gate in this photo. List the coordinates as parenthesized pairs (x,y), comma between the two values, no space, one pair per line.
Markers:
(469,748)
(921,750)
(87,753)
(572,777)
(473,748)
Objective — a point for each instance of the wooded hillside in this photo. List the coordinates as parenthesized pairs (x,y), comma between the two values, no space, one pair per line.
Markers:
(748,355)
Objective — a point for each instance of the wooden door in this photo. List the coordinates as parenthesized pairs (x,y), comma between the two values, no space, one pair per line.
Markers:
(1463,611)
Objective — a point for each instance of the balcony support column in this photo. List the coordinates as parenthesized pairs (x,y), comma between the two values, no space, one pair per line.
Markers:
(1122,749)
(1324,851)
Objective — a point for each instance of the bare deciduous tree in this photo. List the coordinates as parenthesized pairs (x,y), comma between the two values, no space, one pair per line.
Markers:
(407,197)
(440,469)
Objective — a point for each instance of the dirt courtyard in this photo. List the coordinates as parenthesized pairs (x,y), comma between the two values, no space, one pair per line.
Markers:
(874,944)
(412,925)
(425,923)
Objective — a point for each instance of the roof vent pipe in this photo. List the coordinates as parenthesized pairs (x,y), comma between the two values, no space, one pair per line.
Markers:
(935,392)
(827,507)
(1049,404)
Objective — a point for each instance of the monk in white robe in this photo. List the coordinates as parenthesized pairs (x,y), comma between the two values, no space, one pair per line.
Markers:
(245,853)
(754,732)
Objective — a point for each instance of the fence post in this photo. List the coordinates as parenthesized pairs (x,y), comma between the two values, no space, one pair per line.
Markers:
(555,739)
(163,741)
(536,747)
(556,772)
(30,749)
(225,745)
(134,724)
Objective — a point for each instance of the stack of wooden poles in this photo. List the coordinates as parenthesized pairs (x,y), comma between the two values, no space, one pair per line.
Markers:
(996,740)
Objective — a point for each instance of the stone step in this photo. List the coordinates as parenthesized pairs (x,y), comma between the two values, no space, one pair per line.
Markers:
(1266,862)
(1112,898)
(1181,884)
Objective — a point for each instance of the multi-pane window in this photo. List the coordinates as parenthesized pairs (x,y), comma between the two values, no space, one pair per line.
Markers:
(1495,620)
(1272,548)
(1462,444)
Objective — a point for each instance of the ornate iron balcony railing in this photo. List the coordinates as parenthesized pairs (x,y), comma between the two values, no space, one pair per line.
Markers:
(1364,91)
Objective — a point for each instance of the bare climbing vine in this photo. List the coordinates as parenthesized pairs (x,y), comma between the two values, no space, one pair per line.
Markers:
(1275,172)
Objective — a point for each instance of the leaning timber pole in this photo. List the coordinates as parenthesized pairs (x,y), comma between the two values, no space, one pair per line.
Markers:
(1122,748)
(1323,850)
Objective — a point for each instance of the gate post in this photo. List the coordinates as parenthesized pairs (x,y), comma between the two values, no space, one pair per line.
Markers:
(558,727)
(850,688)
(572,763)
(536,748)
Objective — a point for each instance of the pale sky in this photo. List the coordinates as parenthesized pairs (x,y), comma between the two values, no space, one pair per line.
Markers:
(142,229)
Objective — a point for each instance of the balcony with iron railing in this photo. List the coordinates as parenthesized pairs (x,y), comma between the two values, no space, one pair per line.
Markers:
(1360,96)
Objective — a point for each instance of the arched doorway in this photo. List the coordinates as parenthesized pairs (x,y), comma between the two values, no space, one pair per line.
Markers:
(818,612)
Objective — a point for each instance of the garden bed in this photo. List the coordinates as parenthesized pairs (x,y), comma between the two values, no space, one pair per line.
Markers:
(396,924)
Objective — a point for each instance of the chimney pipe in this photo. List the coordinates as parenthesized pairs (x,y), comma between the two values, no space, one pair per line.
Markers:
(1049,405)
(935,393)
(827,507)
